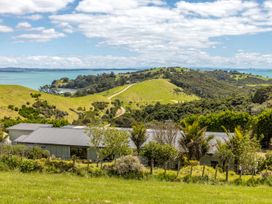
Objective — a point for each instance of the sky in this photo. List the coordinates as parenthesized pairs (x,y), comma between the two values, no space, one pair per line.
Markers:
(135,33)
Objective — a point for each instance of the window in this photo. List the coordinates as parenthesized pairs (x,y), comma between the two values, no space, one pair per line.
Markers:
(79,152)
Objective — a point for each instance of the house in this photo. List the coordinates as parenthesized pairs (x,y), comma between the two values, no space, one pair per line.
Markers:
(24,129)
(61,142)
(74,140)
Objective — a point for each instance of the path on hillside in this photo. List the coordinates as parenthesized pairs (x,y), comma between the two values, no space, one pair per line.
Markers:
(122,91)
(122,110)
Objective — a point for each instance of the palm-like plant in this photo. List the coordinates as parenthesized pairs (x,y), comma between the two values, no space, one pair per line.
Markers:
(243,145)
(138,135)
(194,141)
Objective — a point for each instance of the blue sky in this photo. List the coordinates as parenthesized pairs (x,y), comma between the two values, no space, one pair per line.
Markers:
(135,33)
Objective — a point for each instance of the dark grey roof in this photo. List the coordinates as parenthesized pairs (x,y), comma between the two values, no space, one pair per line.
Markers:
(56,136)
(29,126)
(78,137)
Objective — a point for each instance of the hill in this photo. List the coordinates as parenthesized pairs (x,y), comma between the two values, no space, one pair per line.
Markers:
(147,92)
(153,91)
(18,96)
(204,84)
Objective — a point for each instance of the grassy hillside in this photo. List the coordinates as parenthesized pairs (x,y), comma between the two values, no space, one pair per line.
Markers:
(146,92)
(46,188)
(155,90)
(18,95)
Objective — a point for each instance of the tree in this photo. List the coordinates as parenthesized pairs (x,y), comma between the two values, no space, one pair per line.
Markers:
(138,135)
(262,95)
(194,141)
(160,153)
(225,156)
(96,141)
(244,147)
(150,151)
(263,128)
(165,132)
(109,143)
(166,153)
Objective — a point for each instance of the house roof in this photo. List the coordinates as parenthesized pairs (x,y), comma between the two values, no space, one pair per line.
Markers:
(71,136)
(56,136)
(28,126)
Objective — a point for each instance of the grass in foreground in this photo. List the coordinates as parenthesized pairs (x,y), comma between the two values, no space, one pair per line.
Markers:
(45,188)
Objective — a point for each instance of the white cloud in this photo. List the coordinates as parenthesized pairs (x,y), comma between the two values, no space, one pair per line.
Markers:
(5,29)
(220,8)
(155,33)
(31,6)
(191,58)
(34,17)
(167,34)
(143,27)
(111,6)
(39,34)
(24,25)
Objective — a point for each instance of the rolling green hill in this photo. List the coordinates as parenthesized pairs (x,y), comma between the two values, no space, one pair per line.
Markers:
(152,91)
(18,95)
(146,92)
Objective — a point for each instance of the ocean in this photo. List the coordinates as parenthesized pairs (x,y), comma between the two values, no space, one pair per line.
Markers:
(34,78)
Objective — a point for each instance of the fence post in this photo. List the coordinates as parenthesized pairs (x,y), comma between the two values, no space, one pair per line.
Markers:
(215,175)
(227,173)
(151,166)
(203,171)
(191,171)
(178,169)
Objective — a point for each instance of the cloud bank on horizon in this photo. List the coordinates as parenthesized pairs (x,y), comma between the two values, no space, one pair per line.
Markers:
(135,33)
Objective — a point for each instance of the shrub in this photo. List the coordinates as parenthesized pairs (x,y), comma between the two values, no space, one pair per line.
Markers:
(267,180)
(37,153)
(127,167)
(4,167)
(11,161)
(168,176)
(27,165)
(58,166)
(96,172)
(238,181)
(253,182)
(24,151)
(196,179)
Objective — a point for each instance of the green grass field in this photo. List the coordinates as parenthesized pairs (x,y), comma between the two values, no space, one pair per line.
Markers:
(147,92)
(18,95)
(155,90)
(45,188)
